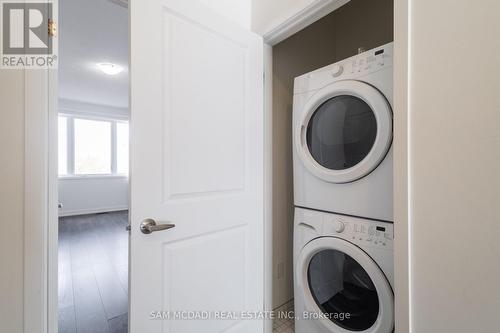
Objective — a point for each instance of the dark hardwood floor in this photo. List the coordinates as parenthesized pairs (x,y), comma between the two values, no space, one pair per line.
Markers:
(93,273)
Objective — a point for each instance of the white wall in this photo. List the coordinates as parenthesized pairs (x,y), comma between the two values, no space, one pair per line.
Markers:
(454,165)
(11,200)
(93,194)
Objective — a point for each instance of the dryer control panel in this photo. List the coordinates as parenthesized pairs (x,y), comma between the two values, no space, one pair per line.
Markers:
(351,68)
(369,62)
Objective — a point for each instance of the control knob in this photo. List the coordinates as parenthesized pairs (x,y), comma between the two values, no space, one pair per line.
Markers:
(339,226)
(337,70)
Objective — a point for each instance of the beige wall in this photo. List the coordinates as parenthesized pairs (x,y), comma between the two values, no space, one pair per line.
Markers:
(335,37)
(11,200)
(454,174)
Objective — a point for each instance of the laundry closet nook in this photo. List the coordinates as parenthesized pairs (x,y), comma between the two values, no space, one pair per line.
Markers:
(356,26)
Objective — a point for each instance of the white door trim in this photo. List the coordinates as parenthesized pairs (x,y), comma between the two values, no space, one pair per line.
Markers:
(35,201)
(53,201)
(402,223)
(268,185)
(40,202)
(297,18)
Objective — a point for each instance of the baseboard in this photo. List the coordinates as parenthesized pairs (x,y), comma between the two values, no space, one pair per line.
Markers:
(92,211)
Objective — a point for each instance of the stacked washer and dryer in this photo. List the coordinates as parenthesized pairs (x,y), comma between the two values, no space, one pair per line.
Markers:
(343,176)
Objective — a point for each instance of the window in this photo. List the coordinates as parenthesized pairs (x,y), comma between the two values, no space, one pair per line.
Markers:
(92,146)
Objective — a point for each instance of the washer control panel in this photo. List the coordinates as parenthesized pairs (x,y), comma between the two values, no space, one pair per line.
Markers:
(360,231)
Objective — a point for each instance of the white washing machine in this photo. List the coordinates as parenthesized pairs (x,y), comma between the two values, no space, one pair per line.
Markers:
(342,132)
(343,269)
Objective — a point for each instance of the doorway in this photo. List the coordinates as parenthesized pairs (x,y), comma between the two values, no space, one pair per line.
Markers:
(93,166)
(336,36)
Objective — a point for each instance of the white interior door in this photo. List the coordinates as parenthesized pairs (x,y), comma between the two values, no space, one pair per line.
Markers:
(197,162)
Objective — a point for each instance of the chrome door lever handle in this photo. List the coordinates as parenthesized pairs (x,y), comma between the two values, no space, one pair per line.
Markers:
(149,225)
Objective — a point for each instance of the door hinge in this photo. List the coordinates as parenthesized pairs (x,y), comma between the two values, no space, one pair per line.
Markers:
(52,28)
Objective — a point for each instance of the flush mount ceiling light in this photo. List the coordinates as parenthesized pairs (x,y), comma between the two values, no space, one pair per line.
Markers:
(110,68)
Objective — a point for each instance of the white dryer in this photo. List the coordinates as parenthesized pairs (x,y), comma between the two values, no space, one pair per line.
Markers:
(343,274)
(342,132)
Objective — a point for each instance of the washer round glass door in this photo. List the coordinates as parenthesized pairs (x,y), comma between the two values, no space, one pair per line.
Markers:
(345,131)
(344,287)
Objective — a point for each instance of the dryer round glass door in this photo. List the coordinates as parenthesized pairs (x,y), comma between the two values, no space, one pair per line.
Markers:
(345,131)
(345,287)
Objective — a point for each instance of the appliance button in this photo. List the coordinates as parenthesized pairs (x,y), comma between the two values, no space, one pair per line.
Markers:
(337,70)
(339,226)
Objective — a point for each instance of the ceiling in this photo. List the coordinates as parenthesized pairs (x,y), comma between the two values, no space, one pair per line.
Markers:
(90,32)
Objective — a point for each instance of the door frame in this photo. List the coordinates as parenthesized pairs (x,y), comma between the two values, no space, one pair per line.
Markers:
(40,172)
(40,201)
